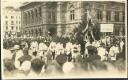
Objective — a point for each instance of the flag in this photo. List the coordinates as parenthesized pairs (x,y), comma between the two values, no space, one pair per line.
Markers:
(85,30)
(88,15)
(88,18)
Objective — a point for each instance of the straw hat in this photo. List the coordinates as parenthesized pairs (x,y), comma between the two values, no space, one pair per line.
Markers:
(16,47)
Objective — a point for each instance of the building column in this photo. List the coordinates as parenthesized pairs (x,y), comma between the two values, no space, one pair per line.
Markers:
(59,18)
(112,16)
(40,14)
(34,16)
(37,15)
(121,17)
(31,17)
(27,18)
(44,19)
(121,20)
(104,16)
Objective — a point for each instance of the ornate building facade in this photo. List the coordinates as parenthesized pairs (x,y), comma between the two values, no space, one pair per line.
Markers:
(11,21)
(60,18)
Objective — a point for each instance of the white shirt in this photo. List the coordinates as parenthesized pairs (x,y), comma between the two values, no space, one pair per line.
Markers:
(121,45)
(78,48)
(97,44)
(104,41)
(87,44)
(102,51)
(113,52)
(7,54)
(59,48)
(52,46)
(19,54)
(108,40)
(34,46)
(68,46)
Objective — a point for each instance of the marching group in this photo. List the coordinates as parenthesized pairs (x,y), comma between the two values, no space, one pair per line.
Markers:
(38,58)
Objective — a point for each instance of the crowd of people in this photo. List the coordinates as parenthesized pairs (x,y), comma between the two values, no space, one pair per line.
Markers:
(44,56)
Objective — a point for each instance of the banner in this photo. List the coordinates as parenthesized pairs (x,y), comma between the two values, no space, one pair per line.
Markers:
(106,27)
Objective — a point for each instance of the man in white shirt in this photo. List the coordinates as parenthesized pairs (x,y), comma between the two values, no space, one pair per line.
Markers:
(17,54)
(33,48)
(75,51)
(121,45)
(7,54)
(42,51)
(114,50)
(102,52)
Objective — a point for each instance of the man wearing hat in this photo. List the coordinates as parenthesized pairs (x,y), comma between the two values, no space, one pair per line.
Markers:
(17,54)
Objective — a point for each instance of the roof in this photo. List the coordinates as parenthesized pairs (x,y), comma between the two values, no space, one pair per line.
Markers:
(29,4)
(11,8)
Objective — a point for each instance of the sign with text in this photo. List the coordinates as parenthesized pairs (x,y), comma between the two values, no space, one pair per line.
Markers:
(106,27)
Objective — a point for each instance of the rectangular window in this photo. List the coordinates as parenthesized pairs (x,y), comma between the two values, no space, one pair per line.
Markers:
(6,17)
(108,15)
(12,22)
(6,22)
(12,27)
(6,27)
(12,17)
(99,15)
(116,16)
(72,15)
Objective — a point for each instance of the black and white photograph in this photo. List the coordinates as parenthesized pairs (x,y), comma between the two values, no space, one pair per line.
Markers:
(52,39)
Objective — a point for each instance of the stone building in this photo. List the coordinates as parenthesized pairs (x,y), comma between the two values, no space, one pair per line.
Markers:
(11,21)
(60,18)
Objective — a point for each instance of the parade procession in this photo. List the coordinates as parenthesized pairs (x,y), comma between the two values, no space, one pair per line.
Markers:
(91,46)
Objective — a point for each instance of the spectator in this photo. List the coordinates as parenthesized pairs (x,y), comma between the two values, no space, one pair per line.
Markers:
(114,50)
(102,52)
(36,66)
(16,55)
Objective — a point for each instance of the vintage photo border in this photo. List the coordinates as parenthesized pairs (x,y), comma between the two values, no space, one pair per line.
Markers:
(66,0)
